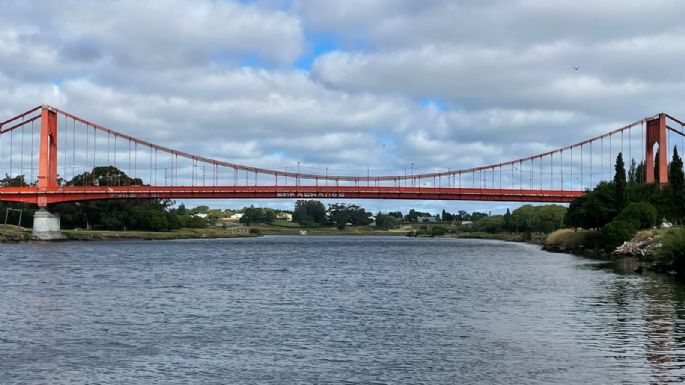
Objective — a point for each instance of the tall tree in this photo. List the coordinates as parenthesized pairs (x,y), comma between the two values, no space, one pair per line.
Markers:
(309,212)
(634,172)
(676,183)
(676,178)
(620,182)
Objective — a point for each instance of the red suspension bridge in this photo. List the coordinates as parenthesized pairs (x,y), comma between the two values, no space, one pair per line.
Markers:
(45,146)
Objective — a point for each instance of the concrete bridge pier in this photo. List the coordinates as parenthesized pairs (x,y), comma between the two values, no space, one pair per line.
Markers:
(46,225)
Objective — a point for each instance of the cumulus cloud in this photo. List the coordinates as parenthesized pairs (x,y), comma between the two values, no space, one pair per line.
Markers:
(437,83)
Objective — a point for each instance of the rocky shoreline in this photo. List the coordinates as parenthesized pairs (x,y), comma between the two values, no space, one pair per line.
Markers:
(642,249)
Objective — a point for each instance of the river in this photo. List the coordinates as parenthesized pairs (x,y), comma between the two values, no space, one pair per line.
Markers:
(331,310)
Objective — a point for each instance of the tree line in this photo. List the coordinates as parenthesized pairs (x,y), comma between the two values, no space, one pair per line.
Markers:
(626,204)
(115,214)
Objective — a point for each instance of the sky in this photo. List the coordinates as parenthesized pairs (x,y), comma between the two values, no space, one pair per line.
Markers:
(348,84)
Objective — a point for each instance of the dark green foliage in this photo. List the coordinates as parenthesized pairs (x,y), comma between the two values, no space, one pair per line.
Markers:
(508,224)
(538,219)
(620,183)
(309,212)
(672,251)
(615,233)
(640,215)
(437,231)
(17,181)
(104,176)
(386,221)
(413,215)
(676,178)
(396,214)
(447,217)
(200,210)
(676,187)
(121,214)
(636,173)
(340,215)
(490,224)
(192,222)
(257,215)
(593,210)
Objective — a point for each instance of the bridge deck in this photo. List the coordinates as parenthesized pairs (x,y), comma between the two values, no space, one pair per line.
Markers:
(43,196)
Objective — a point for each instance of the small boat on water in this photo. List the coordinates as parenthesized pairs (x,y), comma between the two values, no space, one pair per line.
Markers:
(303,232)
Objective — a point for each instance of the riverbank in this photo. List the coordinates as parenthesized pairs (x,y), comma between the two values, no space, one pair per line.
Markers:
(280,229)
(537,238)
(89,235)
(12,234)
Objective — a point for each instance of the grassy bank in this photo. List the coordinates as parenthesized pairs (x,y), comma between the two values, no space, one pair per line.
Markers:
(87,235)
(536,238)
(290,228)
(9,233)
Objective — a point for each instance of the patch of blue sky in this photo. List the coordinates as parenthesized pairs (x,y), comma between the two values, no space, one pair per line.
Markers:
(319,44)
(57,82)
(439,104)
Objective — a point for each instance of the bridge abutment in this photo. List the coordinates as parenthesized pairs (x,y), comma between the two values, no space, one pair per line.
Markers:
(46,225)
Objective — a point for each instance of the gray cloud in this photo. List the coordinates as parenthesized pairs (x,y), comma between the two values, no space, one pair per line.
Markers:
(440,84)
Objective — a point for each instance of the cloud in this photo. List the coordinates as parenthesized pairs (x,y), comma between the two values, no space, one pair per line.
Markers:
(436,83)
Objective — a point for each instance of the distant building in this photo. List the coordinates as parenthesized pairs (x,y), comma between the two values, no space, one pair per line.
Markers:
(285,216)
(236,216)
(200,215)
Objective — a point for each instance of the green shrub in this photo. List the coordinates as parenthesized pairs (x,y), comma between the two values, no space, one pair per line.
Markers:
(641,215)
(672,251)
(614,233)
(256,231)
(437,231)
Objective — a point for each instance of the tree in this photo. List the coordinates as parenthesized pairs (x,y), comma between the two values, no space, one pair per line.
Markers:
(181,210)
(339,215)
(640,215)
(676,184)
(507,226)
(594,209)
(447,217)
(386,221)
(309,212)
(676,178)
(257,215)
(104,176)
(620,183)
(490,224)
(636,172)
(413,215)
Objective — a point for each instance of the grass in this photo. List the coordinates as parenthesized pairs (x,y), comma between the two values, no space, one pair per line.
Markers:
(85,235)
(568,239)
(11,233)
(278,229)
(511,237)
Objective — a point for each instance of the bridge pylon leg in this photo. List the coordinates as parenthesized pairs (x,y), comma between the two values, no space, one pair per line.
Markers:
(46,225)
(656,133)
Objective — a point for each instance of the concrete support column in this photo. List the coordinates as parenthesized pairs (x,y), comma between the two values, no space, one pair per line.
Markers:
(46,225)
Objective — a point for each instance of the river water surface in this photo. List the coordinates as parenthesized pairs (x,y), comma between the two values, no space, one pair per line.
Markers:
(330,310)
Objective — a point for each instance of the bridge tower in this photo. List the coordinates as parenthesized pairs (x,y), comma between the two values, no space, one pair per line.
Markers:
(46,225)
(656,134)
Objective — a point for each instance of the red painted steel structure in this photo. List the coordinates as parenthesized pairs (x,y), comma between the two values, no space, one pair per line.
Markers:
(47,190)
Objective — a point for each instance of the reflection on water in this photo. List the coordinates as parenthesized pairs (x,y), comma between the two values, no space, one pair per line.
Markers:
(332,310)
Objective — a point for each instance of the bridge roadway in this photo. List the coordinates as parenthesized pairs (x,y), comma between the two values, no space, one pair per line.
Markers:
(43,196)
